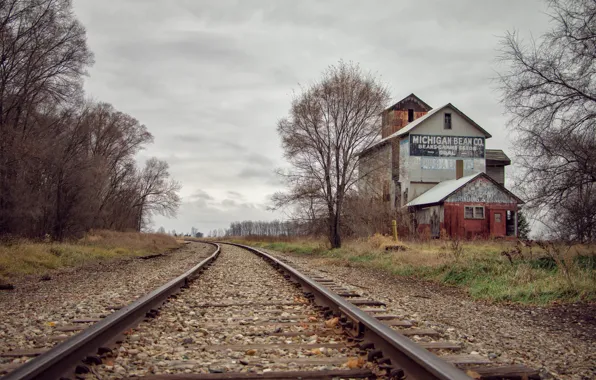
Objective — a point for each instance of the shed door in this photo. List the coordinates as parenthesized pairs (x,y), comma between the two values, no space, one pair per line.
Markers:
(435,224)
(497,222)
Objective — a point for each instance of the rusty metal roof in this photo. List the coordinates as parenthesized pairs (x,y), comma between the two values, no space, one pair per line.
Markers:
(413,97)
(497,155)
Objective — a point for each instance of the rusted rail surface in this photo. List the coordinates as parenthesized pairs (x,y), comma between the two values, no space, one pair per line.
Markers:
(66,356)
(415,361)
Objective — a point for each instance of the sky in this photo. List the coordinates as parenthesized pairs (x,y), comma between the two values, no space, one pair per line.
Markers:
(210,79)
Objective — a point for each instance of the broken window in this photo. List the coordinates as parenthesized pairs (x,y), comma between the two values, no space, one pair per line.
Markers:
(478,212)
(473,212)
(447,124)
(410,115)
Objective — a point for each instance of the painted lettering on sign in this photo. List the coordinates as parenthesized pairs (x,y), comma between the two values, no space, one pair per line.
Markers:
(446,146)
(433,163)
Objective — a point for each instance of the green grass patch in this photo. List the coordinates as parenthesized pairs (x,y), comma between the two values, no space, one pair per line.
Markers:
(481,269)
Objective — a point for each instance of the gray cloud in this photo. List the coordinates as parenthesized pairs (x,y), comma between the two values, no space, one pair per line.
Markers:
(201,195)
(210,79)
(235,195)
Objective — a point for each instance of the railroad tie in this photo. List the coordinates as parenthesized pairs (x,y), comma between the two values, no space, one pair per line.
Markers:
(283,375)
(517,371)
(366,302)
(21,353)
(441,345)
(412,332)
(465,359)
(69,328)
(267,346)
(86,320)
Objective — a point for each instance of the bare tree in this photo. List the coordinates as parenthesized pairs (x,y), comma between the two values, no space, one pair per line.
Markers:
(328,124)
(550,89)
(156,191)
(43,55)
(66,165)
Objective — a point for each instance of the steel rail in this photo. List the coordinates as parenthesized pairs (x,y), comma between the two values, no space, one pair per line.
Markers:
(64,357)
(415,361)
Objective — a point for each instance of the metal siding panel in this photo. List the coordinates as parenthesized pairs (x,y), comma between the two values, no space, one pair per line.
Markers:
(497,173)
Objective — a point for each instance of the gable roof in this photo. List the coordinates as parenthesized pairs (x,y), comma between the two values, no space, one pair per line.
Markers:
(405,130)
(415,98)
(497,155)
(443,190)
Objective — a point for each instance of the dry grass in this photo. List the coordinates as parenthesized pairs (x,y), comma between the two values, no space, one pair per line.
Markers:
(23,257)
(532,275)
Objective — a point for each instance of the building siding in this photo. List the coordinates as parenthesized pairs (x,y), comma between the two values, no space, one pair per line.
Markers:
(481,190)
(375,172)
(424,172)
(456,225)
(497,173)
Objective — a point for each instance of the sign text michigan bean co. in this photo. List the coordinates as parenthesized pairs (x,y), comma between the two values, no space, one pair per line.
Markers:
(446,146)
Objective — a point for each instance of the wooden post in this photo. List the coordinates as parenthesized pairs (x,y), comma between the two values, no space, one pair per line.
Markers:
(394,229)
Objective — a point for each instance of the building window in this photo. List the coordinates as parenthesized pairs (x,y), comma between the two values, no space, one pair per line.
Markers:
(410,115)
(474,212)
(478,212)
(497,218)
(447,124)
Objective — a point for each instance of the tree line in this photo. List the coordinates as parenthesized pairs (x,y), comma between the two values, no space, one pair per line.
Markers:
(67,164)
(262,228)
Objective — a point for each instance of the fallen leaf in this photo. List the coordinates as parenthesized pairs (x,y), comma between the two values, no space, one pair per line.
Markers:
(332,322)
(302,300)
(316,351)
(354,363)
(51,324)
(312,319)
(251,352)
(108,361)
(473,374)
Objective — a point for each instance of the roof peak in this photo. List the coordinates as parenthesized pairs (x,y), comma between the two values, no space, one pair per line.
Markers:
(444,189)
(413,97)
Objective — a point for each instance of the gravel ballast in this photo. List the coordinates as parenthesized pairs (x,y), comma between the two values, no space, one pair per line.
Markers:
(558,340)
(240,315)
(34,313)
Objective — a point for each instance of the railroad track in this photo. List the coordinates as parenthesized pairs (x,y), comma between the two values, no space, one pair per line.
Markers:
(251,316)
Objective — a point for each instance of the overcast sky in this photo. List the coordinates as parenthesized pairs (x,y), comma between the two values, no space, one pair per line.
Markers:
(210,79)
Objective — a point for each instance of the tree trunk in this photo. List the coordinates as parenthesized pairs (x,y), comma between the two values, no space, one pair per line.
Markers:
(58,223)
(334,233)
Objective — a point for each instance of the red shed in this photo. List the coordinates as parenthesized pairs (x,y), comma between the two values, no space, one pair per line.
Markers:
(468,207)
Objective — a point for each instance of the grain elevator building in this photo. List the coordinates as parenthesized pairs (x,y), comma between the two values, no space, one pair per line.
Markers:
(433,162)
